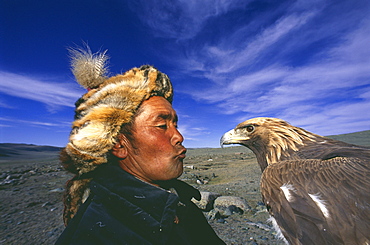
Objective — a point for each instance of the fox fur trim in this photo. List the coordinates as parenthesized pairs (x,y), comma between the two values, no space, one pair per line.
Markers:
(100,113)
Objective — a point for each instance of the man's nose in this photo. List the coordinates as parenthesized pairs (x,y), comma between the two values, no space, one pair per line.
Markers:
(177,137)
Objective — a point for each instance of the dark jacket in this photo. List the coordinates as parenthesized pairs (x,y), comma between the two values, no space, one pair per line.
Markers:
(122,209)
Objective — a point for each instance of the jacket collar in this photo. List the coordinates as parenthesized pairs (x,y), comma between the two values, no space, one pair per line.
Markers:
(150,206)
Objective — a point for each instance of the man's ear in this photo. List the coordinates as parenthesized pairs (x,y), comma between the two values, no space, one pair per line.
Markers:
(120,148)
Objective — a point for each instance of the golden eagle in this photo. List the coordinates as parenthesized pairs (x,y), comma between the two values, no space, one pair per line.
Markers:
(316,189)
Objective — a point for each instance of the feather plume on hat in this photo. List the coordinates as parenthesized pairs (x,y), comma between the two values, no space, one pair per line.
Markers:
(100,114)
(89,69)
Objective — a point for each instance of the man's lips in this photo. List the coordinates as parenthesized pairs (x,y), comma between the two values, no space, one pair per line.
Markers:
(182,154)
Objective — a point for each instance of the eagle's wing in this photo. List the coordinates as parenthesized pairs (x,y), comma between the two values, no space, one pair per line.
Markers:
(330,150)
(320,201)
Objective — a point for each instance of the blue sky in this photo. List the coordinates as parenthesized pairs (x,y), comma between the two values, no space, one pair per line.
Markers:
(307,62)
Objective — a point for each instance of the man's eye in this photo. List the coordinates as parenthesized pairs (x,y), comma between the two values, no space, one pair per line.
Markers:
(162,126)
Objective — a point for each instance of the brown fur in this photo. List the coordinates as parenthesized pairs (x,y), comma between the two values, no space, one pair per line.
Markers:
(73,197)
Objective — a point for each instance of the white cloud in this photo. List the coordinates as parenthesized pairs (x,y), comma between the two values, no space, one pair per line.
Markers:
(50,93)
(5,105)
(182,19)
(263,41)
(15,121)
(330,86)
(276,85)
(244,49)
(191,133)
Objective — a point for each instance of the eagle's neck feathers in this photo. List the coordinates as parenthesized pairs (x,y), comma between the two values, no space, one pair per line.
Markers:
(285,140)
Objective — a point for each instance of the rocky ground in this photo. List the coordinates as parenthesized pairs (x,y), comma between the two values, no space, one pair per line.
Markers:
(31,207)
(31,191)
(232,172)
(31,197)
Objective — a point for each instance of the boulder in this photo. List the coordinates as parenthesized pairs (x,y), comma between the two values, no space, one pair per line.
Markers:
(213,215)
(228,205)
(232,209)
(206,201)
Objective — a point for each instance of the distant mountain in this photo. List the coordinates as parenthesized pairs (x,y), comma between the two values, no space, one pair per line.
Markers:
(358,138)
(17,152)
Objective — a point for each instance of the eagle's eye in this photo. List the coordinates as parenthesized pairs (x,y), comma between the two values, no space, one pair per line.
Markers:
(250,128)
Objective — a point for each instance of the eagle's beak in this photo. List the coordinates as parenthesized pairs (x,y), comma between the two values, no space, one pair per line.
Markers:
(231,137)
(225,139)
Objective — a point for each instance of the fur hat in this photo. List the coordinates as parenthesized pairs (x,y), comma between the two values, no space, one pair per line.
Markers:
(109,103)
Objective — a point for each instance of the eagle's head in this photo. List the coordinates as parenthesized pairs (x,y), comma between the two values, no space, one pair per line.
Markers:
(270,139)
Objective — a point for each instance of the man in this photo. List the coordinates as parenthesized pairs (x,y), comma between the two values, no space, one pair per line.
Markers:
(126,153)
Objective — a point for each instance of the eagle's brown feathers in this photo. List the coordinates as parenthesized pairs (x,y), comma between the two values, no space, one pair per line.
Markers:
(315,188)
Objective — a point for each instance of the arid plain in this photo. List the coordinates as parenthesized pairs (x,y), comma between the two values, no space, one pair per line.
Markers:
(32,183)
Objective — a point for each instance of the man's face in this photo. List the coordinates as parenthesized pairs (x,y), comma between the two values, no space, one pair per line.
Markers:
(156,152)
